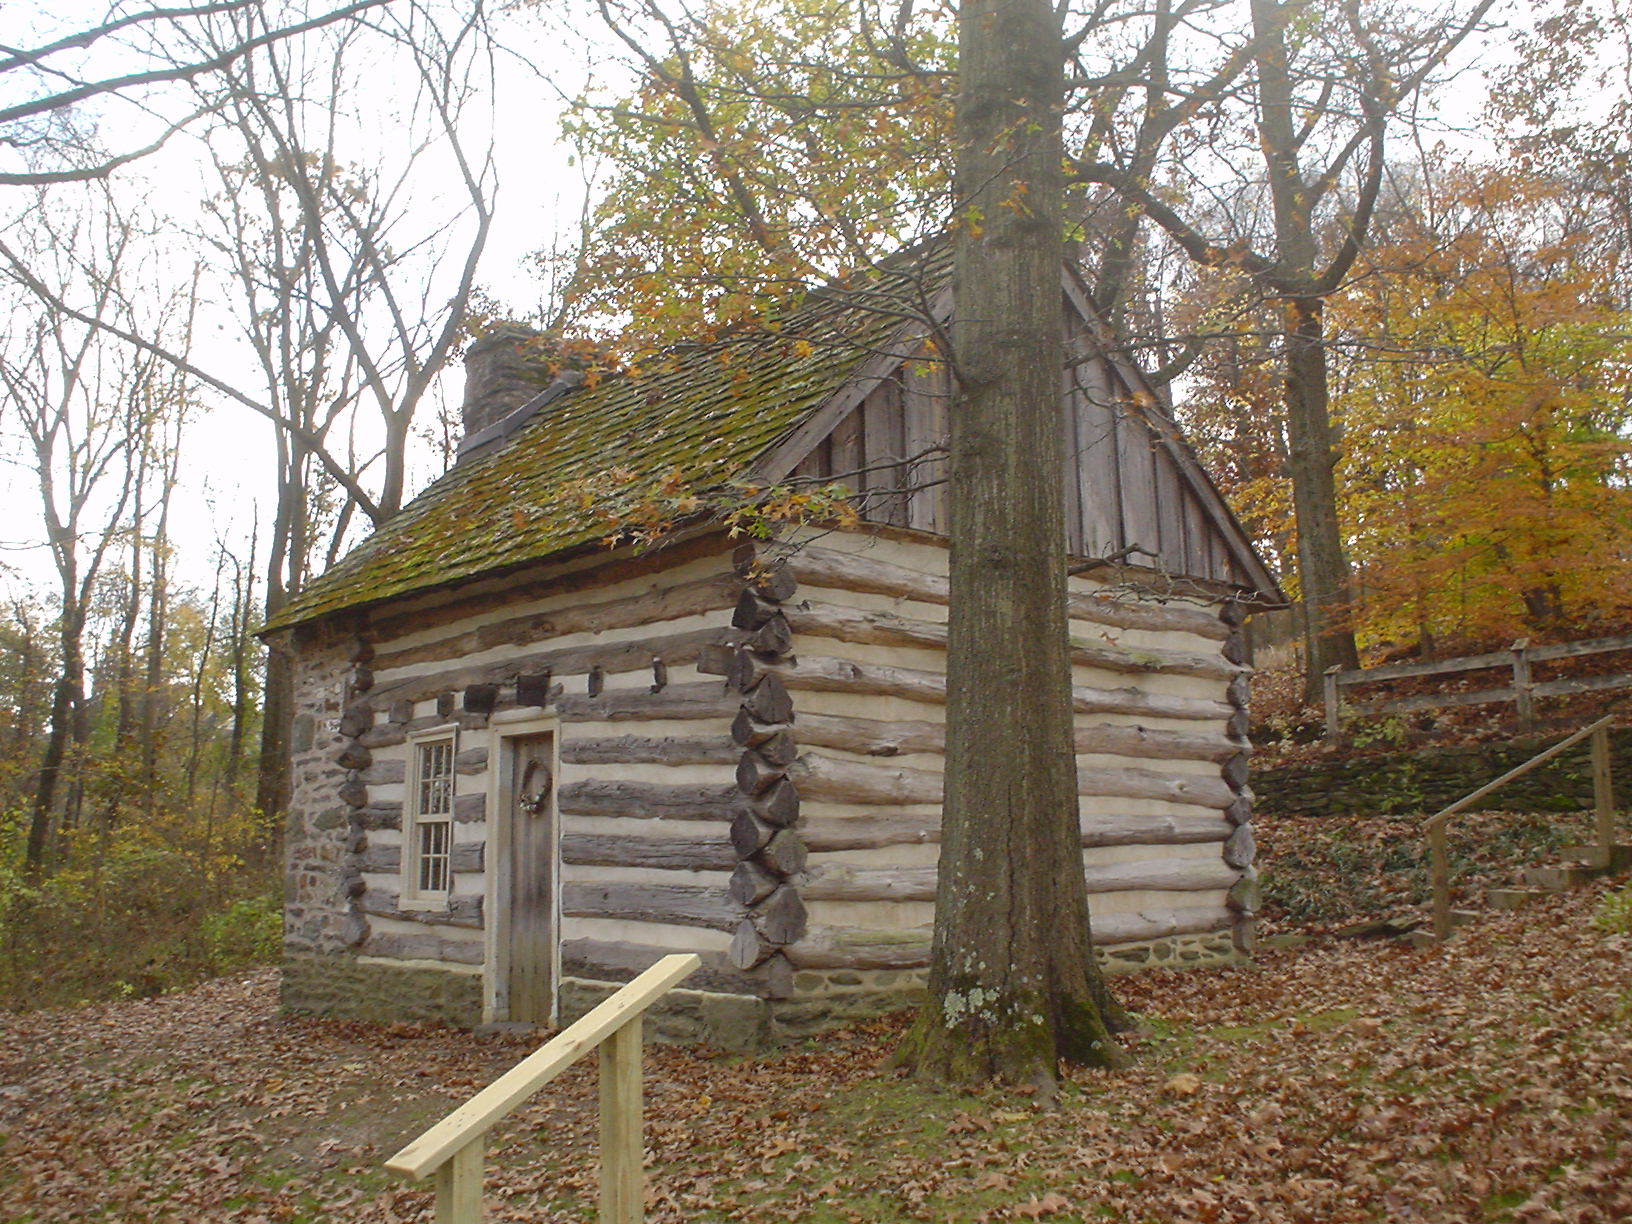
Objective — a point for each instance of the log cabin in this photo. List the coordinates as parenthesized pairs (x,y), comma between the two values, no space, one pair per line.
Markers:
(531,755)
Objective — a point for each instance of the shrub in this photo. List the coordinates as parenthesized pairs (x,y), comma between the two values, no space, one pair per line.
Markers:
(247,932)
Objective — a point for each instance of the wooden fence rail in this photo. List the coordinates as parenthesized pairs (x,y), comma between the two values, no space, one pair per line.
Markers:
(1603,796)
(453,1148)
(1523,691)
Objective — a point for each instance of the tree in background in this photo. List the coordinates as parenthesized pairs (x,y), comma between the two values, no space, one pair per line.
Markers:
(743,168)
(1486,474)
(1284,194)
(53,87)
(1563,109)
(351,293)
(81,404)
(1480,383)
(350,282)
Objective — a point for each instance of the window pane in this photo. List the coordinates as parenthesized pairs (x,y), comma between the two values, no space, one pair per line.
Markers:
(433,806)
(433,856)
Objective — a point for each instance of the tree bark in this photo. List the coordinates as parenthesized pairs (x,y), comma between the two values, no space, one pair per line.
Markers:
(1323,567)
(1012,986)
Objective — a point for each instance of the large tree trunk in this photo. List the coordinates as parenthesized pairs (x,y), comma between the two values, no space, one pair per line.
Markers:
(1323,567)
(1013,985)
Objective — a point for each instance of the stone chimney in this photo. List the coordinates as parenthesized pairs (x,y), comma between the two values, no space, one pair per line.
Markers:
(502,372)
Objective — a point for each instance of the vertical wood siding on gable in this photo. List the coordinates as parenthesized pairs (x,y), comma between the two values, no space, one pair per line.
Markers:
(1097,529)
(1122,486)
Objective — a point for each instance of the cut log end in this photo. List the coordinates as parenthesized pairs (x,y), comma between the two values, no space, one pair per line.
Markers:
(781,917)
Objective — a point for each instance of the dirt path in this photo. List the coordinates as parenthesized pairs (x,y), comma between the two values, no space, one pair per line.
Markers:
(1490,1081)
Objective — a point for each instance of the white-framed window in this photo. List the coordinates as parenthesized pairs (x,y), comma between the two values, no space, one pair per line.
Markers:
(427,860)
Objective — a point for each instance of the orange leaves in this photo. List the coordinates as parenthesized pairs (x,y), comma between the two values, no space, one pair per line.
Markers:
(966,1123)
(1497,1089)
(1184,1084)
(1482,383)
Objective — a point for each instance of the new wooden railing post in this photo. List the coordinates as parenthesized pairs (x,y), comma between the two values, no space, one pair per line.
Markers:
(1603,797)
(623,1188)
(1439,874)
(1329,682)
(1439,866)
(1523,696)
(452,1150)
(459,1185)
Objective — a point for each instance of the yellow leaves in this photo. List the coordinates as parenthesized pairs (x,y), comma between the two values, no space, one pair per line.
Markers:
(970,219)
(1015,201)
(803,348)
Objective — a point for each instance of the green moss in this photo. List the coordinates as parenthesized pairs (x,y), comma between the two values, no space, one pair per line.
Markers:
(704,412)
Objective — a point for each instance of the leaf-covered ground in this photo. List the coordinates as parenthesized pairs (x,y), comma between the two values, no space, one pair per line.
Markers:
(1321,874)
(1491,1080)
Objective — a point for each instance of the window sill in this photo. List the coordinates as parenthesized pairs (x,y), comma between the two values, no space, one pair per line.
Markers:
(439,904)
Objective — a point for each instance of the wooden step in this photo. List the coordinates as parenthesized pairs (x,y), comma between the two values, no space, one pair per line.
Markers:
(1557,879)
(1620,856)
(1510,898)
(1423,937)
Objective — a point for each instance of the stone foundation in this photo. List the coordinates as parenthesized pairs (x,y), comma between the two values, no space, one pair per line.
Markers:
(367,988)
(359,988)
(825,1000)
(730,1021)
(1173,952)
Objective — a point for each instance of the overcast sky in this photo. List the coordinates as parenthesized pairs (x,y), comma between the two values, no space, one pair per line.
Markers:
(228,468)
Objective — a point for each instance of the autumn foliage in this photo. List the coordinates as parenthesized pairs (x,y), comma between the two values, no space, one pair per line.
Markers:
(745,168)
(1484,394)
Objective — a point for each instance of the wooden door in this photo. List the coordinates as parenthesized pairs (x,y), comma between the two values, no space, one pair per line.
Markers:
(531,924)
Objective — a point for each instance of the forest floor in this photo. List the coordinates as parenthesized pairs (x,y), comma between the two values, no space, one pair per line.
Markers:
(1341,1081)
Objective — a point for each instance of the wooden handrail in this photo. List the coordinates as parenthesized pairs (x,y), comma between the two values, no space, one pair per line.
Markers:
(1603,807)
(453,1148)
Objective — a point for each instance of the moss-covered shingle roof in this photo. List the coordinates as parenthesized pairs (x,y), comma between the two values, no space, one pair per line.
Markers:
(705,412)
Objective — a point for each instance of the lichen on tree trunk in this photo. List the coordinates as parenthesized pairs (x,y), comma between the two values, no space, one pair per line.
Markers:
(1013,984)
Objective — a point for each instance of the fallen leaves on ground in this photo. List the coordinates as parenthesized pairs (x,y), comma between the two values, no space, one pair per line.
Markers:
(1322,873)
(1489,1080)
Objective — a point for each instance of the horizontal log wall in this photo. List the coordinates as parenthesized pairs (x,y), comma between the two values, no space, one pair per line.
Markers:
(1159,692)
(759,784)
(646,793)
